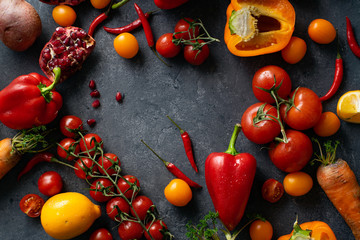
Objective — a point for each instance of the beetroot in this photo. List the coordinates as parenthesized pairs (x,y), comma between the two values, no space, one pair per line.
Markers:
(68,48)
(58,2)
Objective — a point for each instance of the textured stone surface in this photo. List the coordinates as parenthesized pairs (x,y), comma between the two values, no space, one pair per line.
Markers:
(206,101)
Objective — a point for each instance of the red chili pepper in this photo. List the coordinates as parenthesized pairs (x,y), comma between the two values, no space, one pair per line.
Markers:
(38,158)
(354,46)
(99,19)
(187,145)
(146,26)
(30,100)
(127,28)
(169,4)
(175,170)
(339,71)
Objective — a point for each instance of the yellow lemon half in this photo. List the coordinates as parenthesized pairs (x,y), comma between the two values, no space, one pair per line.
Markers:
(67,215)
(348,107)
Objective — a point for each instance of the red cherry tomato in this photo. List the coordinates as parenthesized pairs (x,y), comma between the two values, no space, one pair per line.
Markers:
(165,46)
(196,56)
(113,204)
(31,205)
(66,146)
(98,187)
(294,155)
(70,125)
(84,166)
(89,142)
(141,205)
(101,234)
(266,129)
(50,183)
(110,162)
(130,230)
(272,190)
(265,78)
(185,29)
(306,111)
(154,230)
(125,188)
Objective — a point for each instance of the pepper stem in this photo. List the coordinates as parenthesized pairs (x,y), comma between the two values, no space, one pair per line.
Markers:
(165,162)
(181,130)
(231,149)
(46,91)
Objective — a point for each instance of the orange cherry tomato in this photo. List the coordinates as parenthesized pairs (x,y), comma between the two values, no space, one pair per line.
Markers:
(321,31)
(126,45)
(328,124)
(297,183)
(178,192)
(99,4)
(261,230)
(64,15)
(294,51)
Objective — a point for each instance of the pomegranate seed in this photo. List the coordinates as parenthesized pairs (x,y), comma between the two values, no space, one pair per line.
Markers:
(92,84)
(95,94)
(96,103)
(118,97)
(91,122)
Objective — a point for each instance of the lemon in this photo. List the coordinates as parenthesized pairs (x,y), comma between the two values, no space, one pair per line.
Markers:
(67,215)
(348,107)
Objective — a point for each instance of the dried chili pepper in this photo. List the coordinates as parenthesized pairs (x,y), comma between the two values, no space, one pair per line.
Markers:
(354,46)
(174,170)
(127,28)
(187,145)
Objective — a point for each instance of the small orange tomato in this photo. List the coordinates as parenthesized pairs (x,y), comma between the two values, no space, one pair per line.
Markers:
(328,124)
(126,45)
(99,4)
(64,15)
(294,51)
(297,183)
(178,192)
(261,230)
(321,31)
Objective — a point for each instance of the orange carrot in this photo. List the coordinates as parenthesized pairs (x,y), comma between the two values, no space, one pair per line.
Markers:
(340,185)
(8,158)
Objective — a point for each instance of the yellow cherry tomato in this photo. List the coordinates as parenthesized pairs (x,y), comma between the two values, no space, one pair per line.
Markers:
(294,51)
(348,107)
(178,192)
(99,4)
(64,15)
(297,183)
(328,124)
(126,45)
(321,31)
(261,230)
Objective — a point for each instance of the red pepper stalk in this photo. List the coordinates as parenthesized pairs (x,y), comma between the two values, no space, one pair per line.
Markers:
(174,170)
(187,145)
(229,176)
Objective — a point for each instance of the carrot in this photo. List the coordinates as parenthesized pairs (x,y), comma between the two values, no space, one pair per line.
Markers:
(340,185)
(8,158)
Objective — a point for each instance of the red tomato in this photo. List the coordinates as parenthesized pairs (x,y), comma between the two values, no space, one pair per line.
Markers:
(165,46)
(154,230)
(31,205)
(84,167)
(130,230)
(272,190)
(263,131)
(294,155)
(70,125)
(89,142)
(101,234)
(50,183)
(111,209)
(110,162)
(67,146)
(125,188)
(306,111)
(141,205)
(186,29)
(265,78)
(194,55)
(98,187)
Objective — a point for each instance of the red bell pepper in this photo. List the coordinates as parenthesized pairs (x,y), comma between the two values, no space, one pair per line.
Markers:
(229,176)
(30,100)
(169,4)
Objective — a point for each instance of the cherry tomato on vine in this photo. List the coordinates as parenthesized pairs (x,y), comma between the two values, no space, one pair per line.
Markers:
(178,192)
(84,166)
(272,190)
(155,230)
(327,125)
(261,230)
(141,205)
(98,187)
(266,129)
(109,161)
(265,78)
(294,155)
(294,51)
(70,125)
(68,145)
(165,46)
(31,205)
(125,188)
(185,30)
(50,183)
(298,183)
(100,4)
(113,204)
(89,142)
(130,230)
(306,111)
(101,234)
(321,31)
(64,15)
(126,45)
(196,56)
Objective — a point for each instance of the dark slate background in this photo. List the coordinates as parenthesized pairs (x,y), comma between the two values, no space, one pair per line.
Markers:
(206,100)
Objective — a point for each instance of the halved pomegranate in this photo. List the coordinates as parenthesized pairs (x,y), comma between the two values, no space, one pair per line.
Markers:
(68,48)
(58,2)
